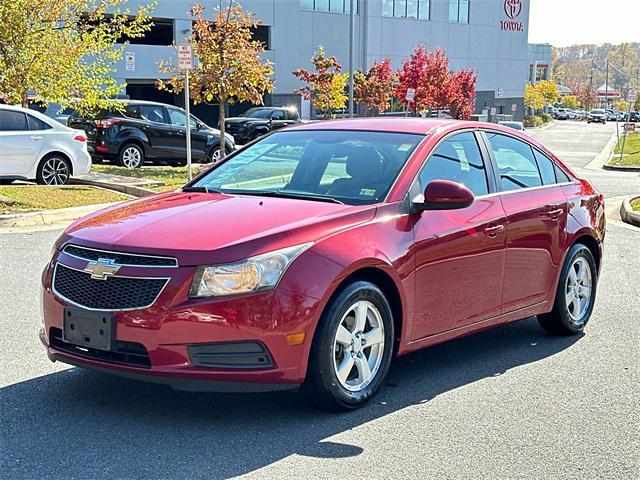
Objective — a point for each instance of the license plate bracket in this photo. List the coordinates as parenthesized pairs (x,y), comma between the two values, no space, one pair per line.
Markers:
(88,329)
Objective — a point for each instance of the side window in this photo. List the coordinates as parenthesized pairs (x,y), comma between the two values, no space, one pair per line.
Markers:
(152,113)
(458,159)
(37,124)
(547,168)
(178,117)
(560,175)
(516,166)
(13,121)
(277,115)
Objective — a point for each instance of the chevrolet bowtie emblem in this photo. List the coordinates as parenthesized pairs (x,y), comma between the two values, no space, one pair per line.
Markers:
(102,268)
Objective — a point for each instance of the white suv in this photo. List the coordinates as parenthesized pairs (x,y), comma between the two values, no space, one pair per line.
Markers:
(34,146)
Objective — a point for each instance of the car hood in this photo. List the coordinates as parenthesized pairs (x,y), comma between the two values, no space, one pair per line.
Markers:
(201,228)
(239,120)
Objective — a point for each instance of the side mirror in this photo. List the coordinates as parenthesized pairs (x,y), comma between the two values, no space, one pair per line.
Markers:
(445,195)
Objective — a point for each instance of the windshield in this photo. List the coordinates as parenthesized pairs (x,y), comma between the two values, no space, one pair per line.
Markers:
(258,113)
(597,111)
(352,167)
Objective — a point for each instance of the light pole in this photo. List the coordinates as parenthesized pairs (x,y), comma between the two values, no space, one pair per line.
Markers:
(351,45)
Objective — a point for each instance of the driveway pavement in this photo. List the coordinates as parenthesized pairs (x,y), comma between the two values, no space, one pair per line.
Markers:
(507,403)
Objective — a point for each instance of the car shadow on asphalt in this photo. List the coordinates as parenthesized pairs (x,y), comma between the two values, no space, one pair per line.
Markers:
(83,424)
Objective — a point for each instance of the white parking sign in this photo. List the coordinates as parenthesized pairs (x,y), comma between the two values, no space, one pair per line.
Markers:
(633,95)
(185,57)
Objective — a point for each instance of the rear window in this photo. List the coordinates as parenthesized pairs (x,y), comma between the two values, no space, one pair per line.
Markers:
(37,124)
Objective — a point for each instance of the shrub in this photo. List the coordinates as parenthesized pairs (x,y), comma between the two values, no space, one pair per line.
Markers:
(529,121)
(546,117)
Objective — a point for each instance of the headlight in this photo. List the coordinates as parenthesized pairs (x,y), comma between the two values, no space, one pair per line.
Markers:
(254,274)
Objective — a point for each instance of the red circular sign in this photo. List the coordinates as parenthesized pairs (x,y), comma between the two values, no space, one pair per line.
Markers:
(512,8)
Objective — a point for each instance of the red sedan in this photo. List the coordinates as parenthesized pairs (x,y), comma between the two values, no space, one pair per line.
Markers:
(312,257)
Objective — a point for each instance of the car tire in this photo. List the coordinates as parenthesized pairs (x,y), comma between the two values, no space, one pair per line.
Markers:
(54,169)
(578,282)
(214,154)
(131,156)
(343,376)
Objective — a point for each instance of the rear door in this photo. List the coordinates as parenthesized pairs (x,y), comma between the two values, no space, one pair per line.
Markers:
(20,147)
(459,253)
(536,209)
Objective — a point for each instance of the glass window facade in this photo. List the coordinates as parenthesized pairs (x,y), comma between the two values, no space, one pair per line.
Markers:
(418,9)
(459,11)
(333,6)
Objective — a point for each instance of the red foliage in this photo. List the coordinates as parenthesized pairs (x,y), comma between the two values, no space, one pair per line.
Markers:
(374,89)
(435,87)
(462,88)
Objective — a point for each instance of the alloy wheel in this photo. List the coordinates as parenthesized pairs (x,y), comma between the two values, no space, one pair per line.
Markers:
(131,157)
(578,291)
(215,156)
(358,346)
(55,171)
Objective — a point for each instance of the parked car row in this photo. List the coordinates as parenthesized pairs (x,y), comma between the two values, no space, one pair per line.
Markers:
(595,115)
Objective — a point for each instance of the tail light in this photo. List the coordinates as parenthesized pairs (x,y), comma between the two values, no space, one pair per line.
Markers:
(80,138)
(106,123)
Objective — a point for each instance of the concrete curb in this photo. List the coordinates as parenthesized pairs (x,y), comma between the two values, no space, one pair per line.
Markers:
(127,189)
(621,168)
(49,217)
(628,214)
(600,161)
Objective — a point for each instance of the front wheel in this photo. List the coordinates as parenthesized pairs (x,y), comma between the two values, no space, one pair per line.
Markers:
(214,154)
(352,348)
(575,295)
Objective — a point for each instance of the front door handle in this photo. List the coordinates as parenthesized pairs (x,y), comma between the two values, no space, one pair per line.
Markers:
(555,213)
(494,230)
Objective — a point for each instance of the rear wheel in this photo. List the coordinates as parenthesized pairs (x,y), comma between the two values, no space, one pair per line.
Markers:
(131,156)
(54,170)
(352,348)
(575,295)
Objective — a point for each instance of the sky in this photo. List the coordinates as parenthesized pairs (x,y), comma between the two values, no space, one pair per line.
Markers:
(567,22)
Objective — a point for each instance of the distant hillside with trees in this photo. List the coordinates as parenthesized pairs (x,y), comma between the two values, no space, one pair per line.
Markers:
(580,66)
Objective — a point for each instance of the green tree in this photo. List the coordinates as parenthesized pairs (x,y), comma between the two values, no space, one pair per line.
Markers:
(326,85)
(65,50)
(229,68)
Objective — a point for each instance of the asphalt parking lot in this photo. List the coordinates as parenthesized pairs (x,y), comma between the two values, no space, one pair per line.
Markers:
(507,403)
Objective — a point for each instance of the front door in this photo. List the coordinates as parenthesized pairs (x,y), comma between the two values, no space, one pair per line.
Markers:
(459,253)
(536,210)
(178,119)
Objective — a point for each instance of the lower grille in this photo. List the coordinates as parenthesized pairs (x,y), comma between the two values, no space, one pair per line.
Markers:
(125,353)
(114,293)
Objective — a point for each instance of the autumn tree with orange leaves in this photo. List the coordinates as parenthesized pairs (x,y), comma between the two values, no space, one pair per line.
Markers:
(374,88)
(229,67)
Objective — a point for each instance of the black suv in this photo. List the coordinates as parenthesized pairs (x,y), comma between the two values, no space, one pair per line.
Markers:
(148,131)
(260,120)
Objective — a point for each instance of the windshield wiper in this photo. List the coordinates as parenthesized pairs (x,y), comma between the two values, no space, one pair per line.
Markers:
(280,194)
(200,190)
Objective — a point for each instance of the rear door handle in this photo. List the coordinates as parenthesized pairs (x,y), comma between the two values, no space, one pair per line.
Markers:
(35,138)
(555,213)
(493,231)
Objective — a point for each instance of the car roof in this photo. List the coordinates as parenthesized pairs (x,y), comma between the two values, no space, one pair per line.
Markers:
(415,125)
(52,122)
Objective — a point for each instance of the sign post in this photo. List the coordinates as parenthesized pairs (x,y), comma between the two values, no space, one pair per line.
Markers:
(411,93)
(185,62)
(631,97)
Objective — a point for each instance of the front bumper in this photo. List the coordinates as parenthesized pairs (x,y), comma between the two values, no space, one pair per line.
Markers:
(174,324)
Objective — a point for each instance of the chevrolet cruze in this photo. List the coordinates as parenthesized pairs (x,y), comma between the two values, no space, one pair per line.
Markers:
(312,257)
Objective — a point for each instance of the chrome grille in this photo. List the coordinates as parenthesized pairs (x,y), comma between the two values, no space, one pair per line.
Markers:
(127,259)
(114,293)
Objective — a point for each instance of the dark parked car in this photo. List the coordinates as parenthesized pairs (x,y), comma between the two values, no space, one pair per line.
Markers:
(148,131)
(314,256)
(258,121)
